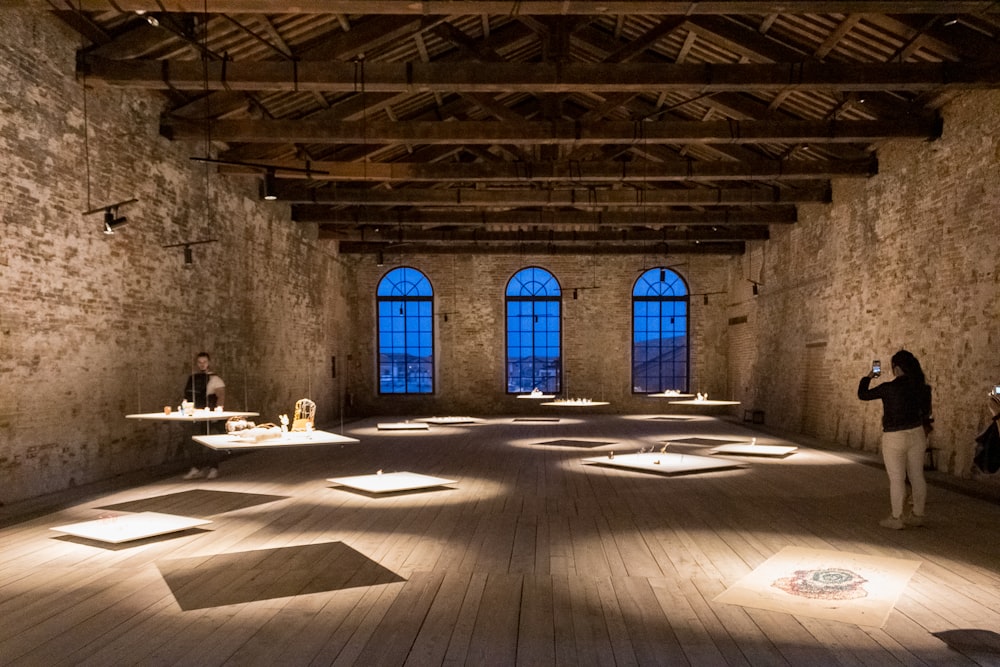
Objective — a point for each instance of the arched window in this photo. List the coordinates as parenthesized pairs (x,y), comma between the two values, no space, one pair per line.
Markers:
(659,332)
(405,333)
(534,345)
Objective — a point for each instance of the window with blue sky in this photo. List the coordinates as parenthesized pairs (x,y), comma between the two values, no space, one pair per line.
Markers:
(534,320)
(659,332)
(405,333)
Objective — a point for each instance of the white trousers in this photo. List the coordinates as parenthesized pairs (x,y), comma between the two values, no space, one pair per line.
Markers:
(903,453)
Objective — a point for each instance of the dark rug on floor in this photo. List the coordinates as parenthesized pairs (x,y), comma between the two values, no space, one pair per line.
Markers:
(577,443)
(265,574)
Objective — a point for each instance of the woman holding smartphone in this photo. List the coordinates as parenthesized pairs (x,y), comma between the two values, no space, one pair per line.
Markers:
(906,413)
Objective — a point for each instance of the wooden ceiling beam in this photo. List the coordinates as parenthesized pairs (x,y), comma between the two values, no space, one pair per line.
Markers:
(554,132)
(782,214)
(472,76)
(526,7)
(516,247)
(476,235)
(582,172)
(582,198)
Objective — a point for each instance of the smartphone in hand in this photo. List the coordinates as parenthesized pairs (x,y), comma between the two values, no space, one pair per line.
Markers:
(876,368)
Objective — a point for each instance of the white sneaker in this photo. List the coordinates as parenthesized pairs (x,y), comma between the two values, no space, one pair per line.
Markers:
(212,473)
(892,523)
(193,473)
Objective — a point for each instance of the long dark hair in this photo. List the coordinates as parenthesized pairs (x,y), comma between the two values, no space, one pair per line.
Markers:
(910,366)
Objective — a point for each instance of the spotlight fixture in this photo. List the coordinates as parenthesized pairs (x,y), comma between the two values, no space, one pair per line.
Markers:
(188,252)
(951,21)
(112,221)
(270,186)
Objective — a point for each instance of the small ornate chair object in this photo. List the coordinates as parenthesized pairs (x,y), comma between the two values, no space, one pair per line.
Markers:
(305,413)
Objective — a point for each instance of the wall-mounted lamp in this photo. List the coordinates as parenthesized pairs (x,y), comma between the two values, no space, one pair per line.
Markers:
(706,299)
(576,293)
(756,289)
(188,253)
(270,186)
(112,220)
(663,275)
(380,259)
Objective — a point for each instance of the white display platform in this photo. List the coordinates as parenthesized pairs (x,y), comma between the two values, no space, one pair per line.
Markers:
(662,463)
(575,403)
(664,394)
(705,402)
(403,426)
(129,527)
(292,439)
(445,421)
(390,482)
(750,449)
(537,397)
(198,416)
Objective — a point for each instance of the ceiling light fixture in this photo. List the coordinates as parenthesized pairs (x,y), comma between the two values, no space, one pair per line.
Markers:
(270,186)
(112,220)
(188,253)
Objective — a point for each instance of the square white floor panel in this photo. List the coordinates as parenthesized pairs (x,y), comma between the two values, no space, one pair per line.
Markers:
(748,449)
(120,528)
(662,463)
(391,482)
(447,421)
(403,426)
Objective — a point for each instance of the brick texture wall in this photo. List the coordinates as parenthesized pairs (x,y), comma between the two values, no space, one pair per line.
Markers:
(596,334)
(92,326)
(906,259)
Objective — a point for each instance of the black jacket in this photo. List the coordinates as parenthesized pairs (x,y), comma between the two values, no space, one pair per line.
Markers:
(905,404)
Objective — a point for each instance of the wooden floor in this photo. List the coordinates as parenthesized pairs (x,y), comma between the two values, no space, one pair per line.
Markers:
(533,558)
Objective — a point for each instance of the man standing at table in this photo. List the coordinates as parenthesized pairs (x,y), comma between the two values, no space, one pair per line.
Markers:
(206,390)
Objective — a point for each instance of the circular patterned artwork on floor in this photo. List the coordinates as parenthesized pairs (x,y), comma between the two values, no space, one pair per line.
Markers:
(830,583)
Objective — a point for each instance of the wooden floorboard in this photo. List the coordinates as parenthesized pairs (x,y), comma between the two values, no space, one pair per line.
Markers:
(530,558)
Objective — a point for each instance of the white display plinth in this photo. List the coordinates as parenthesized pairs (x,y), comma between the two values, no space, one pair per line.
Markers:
(129,527)
(198,416)
(446,421)
(291,439)
(575,403)
(748,449)
(663,463)
(664,394)
(537,397)
(403,426)
(704,402)
(391,482)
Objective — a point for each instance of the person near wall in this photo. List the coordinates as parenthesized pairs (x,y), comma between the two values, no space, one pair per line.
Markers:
(987,456)
(906,421)
(206,390)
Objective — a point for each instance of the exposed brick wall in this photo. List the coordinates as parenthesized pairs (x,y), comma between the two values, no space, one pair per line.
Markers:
(596,330)
(908,258)
(93,326)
